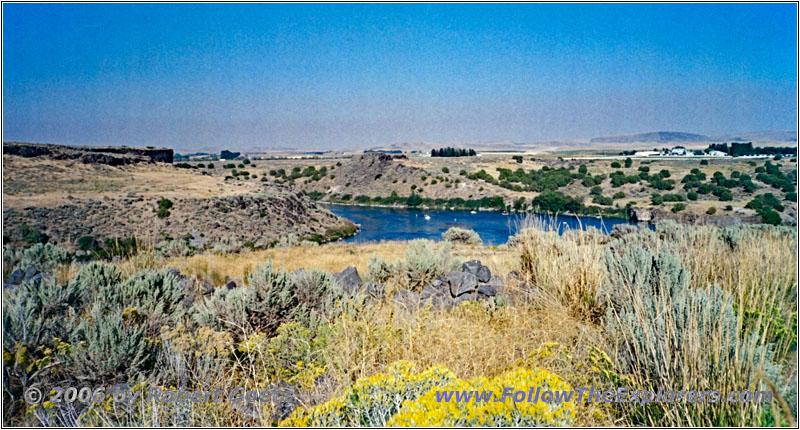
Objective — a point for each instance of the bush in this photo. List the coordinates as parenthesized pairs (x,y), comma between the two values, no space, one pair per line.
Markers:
(164,205)
(226,245)
(372,401)
(462,235)
(670,335)
(704,162)
(678,207)
(109,347)
(656,199)
(445,170)
(44,257)
(177,248)
(692,195)
(428,411)
(380,270)
(271,298)
(423,263)
(711,211)
(616,165)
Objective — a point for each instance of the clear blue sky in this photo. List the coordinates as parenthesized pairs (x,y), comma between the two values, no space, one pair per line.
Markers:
(335,76)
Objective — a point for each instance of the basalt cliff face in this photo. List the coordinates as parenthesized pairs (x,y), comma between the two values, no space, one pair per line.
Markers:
(110,155)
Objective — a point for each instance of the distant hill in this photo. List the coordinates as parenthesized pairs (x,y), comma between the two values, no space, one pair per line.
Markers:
(654,137)
(789,136)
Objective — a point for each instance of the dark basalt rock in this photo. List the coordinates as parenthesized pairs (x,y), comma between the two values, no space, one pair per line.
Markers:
(348,279)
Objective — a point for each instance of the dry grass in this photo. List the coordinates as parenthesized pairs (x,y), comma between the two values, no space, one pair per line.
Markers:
(332,257)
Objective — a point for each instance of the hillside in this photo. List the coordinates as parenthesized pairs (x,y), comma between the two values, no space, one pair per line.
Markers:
(69,199)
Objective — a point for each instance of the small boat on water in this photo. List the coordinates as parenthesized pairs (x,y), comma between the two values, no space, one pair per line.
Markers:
(427,217)
(473,212)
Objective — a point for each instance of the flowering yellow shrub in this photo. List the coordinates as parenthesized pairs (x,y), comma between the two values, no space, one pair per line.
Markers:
(374,400)
(427,411)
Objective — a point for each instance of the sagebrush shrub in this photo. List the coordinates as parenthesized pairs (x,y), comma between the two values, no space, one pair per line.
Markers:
(380,270)
(110,346)
(462,235)
(97,276)
(177,248)
(227,245)
(44,257)
(270,298)
(423,263)
(671,335)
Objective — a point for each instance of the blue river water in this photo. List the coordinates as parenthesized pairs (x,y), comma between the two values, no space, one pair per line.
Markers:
(378,223)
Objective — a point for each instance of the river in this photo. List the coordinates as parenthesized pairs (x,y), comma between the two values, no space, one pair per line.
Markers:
(379,223)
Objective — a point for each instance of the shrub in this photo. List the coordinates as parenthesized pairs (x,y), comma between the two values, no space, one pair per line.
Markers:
(155,295)
(270,298)
(109,347)
(671,335)
(380,270)
(96,276)
(445,170)
(616,165)
(44,257)
(31,235)
(656,199)
(35,317)
(428,411)
(711,211)
(177,248)
(423,263)
(226,245)
(692,195)
(372,401)
(619,195)
(678,207)
(462,235)
(704,162)
(164,205)
(628,162)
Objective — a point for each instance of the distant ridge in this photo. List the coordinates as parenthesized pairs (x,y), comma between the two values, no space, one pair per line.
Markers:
(655,137)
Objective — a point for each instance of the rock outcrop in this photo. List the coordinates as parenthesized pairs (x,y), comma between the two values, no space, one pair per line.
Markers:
(260,219)
(472,283)
(110,155)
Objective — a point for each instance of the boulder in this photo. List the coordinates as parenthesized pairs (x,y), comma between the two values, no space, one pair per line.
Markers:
(462,283)
(476,268)
(484,274)
(16,276)
(441,283)
(407,299)
(39,278)
(487,291)
(30,272)
(374,289)
(207,288)
(231,285)
(348,279)
(471,266)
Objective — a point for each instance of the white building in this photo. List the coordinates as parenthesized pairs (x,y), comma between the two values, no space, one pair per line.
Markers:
(678,150)
(645,153)
(714,153)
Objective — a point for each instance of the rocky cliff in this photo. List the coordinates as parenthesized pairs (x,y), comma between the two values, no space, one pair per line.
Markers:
(110,155)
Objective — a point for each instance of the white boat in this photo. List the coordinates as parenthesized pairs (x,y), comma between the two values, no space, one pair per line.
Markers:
(427,217)
(473,212)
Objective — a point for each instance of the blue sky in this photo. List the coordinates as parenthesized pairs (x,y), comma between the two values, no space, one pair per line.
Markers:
(334,76)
